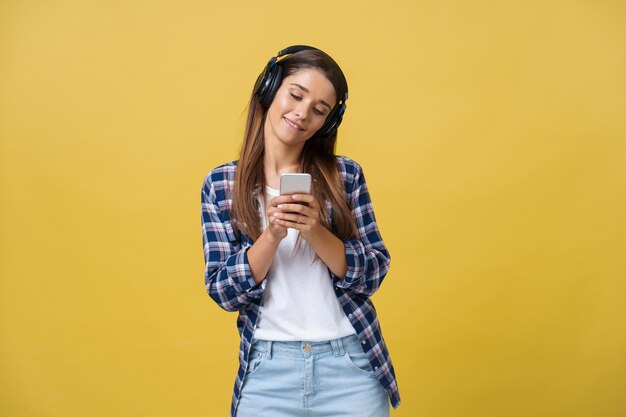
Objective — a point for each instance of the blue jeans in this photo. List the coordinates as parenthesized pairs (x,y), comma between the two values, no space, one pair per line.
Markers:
(313,379)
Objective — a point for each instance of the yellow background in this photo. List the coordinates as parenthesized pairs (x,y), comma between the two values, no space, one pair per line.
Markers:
(492,135)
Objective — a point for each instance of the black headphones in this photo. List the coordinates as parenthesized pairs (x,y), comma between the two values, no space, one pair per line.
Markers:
(269,80)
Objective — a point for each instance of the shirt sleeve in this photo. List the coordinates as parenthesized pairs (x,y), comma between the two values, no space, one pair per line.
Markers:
(367,257)
(227,275)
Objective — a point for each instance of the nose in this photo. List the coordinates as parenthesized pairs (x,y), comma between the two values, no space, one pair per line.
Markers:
(302,110)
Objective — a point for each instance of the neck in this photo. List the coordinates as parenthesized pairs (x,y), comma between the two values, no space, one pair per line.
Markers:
(279,158)
(276,163)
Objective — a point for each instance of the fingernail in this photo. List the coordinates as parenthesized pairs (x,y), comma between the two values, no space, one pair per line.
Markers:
(280,206)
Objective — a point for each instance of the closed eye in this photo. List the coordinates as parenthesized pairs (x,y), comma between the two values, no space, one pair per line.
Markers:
(321,113)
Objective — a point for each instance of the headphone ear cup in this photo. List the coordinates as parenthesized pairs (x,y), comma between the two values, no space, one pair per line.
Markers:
(268,82)
(261,85)
(275,78)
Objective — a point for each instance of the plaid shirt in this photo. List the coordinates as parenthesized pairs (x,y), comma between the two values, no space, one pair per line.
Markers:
(229,281)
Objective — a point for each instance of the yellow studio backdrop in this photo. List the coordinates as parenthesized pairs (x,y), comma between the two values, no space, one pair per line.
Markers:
(492,135)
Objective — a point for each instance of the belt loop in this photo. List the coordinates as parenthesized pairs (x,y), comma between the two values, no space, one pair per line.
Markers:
(337,347)
(269,349)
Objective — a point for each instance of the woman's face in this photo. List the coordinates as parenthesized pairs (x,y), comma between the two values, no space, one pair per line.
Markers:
(300,107)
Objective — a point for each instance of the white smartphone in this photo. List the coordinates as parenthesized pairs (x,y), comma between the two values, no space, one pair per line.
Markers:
(295,183)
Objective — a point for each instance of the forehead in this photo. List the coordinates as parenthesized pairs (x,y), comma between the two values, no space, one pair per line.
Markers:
(320,87)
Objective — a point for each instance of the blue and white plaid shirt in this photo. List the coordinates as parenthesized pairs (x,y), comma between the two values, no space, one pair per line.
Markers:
(229,281)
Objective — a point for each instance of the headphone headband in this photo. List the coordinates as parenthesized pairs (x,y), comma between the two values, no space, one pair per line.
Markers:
(295,48)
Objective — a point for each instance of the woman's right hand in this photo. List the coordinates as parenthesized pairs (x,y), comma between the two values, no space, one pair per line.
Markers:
(276,231)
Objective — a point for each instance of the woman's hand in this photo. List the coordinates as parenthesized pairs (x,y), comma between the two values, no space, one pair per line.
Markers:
(304,218)
(276,231)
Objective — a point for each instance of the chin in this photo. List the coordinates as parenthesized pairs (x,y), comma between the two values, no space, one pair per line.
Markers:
(290,135)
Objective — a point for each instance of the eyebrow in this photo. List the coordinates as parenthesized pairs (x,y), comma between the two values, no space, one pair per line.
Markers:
(306,90)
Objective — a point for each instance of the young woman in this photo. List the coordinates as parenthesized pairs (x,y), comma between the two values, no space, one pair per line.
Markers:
(299,269)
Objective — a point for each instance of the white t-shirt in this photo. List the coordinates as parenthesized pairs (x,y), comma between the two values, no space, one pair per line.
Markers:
(299,302)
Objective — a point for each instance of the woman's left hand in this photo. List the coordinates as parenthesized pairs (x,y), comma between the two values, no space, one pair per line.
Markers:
(304,218)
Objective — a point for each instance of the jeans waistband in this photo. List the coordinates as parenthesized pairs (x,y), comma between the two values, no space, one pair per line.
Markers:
(304,348)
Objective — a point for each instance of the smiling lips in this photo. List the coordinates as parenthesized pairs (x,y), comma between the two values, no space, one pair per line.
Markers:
(292,124)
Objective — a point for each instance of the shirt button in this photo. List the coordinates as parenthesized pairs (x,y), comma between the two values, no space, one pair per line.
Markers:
(376,368)
(350,315)
(363,342)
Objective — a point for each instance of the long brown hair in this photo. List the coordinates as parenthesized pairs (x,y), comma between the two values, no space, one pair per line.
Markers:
(317,158)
